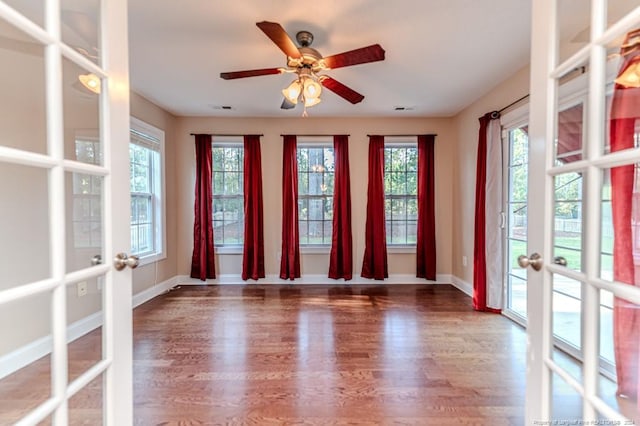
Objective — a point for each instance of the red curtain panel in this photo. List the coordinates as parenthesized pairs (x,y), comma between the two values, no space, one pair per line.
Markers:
(341,257)
(426,244)
(253,249)
(203,259)
(479,258)
(625,113)
(374,264)
(290,260)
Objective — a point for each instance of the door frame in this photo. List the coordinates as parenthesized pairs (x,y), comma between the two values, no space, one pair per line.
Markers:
(545,71)
(115,367)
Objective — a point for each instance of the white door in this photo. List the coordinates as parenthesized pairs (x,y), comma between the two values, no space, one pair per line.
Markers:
(559,388)
(64,191)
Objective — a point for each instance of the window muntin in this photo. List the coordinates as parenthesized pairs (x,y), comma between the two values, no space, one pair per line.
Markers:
(228,194)
(401,193)
(316,172)
(146,168)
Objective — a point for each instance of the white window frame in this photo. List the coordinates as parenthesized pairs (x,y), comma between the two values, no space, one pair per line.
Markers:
(228,142)
(159,191)
(315,142)
(401,142)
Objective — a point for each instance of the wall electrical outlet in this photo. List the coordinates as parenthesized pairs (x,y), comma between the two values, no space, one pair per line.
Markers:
(464,260)
(82,288)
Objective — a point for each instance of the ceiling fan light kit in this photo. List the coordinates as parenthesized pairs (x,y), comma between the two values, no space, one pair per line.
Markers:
(307,63)
(91,82)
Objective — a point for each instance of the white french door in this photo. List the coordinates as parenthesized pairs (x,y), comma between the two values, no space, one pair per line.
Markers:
(64,186)
(566,183)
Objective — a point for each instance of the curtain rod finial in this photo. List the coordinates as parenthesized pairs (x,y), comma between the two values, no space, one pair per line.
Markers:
(495,114)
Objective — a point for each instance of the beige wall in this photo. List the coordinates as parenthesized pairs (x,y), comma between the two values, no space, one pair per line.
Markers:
(272,128)
(148,275)
(464,167)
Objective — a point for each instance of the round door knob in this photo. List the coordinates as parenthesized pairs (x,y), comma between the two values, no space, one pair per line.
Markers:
(535,261)
(559,260)
(122,260)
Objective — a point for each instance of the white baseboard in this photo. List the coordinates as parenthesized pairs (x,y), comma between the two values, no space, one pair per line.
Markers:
(462,285)
(234,279)
(25,355)
(151,292)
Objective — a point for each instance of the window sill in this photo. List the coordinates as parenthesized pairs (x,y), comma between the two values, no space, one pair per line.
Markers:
(315,249)
(229,250)
(401,249)
(151,258)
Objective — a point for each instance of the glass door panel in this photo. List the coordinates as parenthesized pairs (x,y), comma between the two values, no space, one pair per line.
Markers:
(516,218)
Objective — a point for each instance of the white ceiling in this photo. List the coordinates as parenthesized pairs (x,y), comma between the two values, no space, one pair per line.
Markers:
(441,55)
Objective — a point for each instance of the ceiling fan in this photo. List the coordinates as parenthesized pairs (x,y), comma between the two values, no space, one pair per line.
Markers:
(307,64)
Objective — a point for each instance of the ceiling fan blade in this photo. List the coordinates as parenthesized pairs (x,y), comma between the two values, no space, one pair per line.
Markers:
(341,90)
(279,36)
(363,55)
(286,104)
(249,73)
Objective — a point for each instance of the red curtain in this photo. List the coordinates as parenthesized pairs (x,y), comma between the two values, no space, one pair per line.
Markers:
(341,258)
(479,258)
(625,111)
(426,244)
(203,260)
(290,260)
(374,264)
(253,250)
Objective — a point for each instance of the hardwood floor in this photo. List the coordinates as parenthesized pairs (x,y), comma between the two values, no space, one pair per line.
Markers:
(329,355)
(325,355)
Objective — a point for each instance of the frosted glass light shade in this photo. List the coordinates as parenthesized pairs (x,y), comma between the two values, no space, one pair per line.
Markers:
(91,82)
(292,92)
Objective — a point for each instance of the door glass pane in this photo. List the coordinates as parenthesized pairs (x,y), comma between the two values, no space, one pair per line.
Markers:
(606,328)
(24,225)
(27,387)
(567,241)
(574,27)
(517,219)
(567,309)
(85,407)
(22,114)
(84,313)
(566,403)
(606,229)
(33,10)
(84,220)
(80,27)
(617,9)
(569,134)
(81,114)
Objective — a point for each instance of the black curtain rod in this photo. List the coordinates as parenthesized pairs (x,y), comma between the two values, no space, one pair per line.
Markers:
(221,134)
(407,136)
(314,136)
(496,114)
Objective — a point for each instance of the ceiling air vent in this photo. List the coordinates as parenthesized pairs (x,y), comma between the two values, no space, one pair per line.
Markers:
(403,108)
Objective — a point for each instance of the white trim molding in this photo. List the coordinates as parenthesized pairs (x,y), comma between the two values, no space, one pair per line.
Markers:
(462,285)
(311,279)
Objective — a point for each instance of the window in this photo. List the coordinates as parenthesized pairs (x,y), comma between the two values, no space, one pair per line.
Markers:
(315,194)
(146,167)
(228,194)
(401,193)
